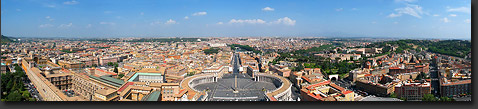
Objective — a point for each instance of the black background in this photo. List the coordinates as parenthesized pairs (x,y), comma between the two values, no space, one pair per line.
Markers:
(251,105)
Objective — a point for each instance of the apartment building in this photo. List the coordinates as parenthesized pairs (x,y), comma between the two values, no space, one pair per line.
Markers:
(412,90)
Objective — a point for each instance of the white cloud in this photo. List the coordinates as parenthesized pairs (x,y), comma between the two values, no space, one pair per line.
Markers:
(452,15)
(249,21)
(285,20)
(460,9)
(267,9)
(49,18)
(88,26)
(107,23)
(220,23)
(45,25)
(65,25)
(353,9)
(141,13)
(339,9)
(155,23)
(413,10)
(170,21)
(374,22)
(199,14)
(436,15)
(186,17)
(468,21)
(445,20)
(394,15)
(395,22)
(74,2)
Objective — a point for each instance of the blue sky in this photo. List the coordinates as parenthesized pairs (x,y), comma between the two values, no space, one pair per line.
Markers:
(231,18)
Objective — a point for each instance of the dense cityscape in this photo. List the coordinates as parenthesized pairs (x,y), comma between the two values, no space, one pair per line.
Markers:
(236,50)
(235,69)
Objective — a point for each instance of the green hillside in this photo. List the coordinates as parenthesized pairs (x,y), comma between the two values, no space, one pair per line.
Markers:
(5,39)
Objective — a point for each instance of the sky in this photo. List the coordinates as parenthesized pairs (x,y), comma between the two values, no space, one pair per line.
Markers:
(437,19)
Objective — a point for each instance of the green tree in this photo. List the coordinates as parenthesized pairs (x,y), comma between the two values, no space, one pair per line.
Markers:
(15,96)
(120,76)
(393,95)
(429,97)
(115,70)
(10,84)
(26,95)
(446,99)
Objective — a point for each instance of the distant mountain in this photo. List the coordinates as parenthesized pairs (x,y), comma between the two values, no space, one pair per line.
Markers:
(5,39)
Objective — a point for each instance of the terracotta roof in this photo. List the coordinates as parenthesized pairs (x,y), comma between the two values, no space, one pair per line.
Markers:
(125,85)
(318,84)
(347,92)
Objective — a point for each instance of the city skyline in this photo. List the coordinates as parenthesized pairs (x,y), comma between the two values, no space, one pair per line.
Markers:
(190,18)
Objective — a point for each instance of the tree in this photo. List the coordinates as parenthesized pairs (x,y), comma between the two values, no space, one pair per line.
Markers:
(420,76)
(17,68)
(393,95)
(26,95)
(9,84)
(212,50)
(115,64)
(120,76)
(191,73)
(115,70)
(429,97)
(15,96)
(446,99)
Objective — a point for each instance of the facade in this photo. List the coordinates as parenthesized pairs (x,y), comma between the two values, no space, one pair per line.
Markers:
(418,68)
(411,90)
(177,71)
(106,95)
(70,64)
(326,91)
(281,70)
(62,81)
(105,60)
(449,89)
(3,68)
(380,85)
(141,91)
(89,62)
(86,86)
(47,90)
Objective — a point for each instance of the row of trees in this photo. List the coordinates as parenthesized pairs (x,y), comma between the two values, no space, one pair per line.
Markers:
(314,49)
(431,97)
(426,97)
(12,85)
(245,47)
(306,59)
(212,50)
(456,48)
